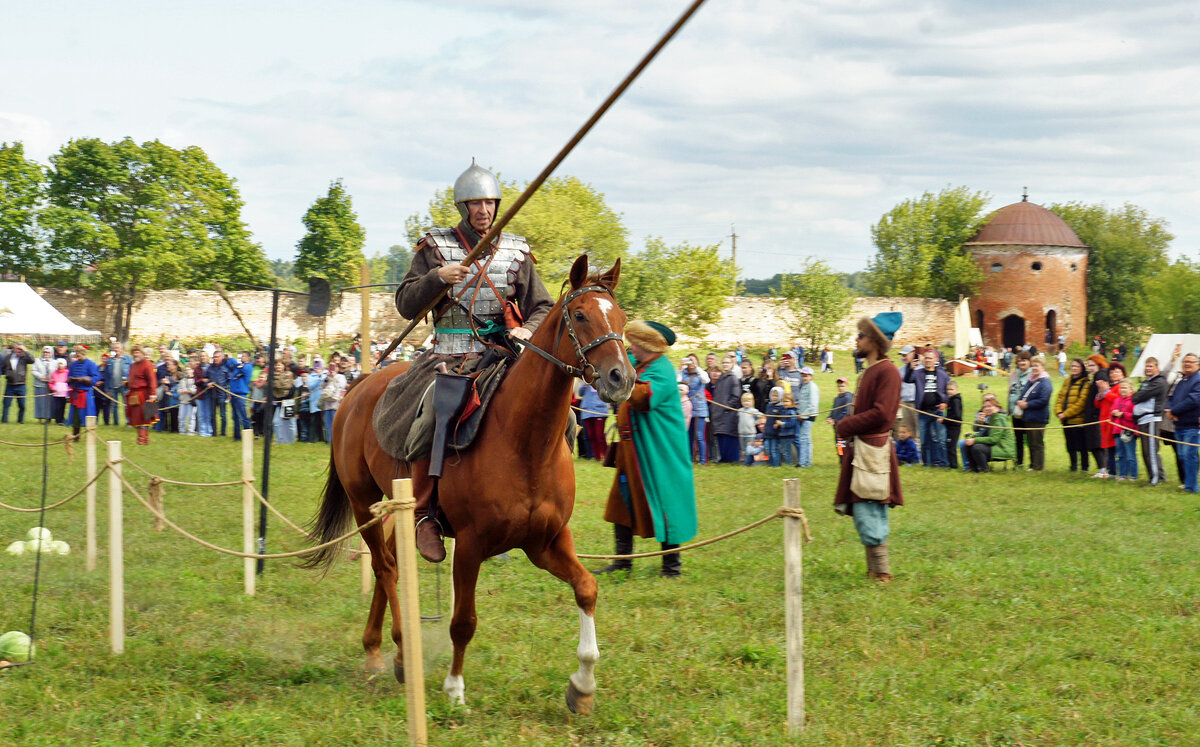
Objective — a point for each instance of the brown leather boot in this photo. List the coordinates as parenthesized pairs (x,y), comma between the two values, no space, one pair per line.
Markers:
(429,533)
(624,544)
(882,566)
(143,436)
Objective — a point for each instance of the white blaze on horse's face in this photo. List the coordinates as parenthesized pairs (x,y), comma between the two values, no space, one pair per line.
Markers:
(605,307)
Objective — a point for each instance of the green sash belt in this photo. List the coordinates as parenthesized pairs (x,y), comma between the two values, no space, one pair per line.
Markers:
(491,328)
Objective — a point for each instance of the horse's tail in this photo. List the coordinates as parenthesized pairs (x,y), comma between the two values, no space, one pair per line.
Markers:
(332,520)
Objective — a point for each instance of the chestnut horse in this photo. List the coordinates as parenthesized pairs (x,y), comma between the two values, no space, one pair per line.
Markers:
(514,488)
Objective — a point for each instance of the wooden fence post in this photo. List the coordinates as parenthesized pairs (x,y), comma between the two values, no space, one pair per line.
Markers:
(116,551)
(89,442)
(366,573)
(793,555)
(367,362)
(410,610)
(248,564)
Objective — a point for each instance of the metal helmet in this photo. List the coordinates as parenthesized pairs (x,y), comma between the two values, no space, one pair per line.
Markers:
(476,183)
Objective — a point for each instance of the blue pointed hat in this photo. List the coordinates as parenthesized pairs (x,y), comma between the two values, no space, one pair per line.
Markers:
(888,322)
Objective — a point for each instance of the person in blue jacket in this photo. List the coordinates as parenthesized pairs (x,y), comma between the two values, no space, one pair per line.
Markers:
(116,374)
(780,429)
(1183,409)
(241,372)
(82,375)
(1034,402)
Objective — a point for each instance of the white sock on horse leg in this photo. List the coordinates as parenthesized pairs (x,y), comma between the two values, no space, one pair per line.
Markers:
(588,652)
(454,688)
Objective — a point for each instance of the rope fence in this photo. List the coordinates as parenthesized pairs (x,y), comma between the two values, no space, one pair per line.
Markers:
(385,508)
(65,440)
(1065,426)
(782,513)
(64,501)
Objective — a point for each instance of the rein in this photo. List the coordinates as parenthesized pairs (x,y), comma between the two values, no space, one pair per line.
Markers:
(584,368)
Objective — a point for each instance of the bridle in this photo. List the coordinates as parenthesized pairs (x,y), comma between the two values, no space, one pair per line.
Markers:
(583,368)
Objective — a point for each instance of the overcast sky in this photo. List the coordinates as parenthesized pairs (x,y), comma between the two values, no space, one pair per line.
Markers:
(797,123)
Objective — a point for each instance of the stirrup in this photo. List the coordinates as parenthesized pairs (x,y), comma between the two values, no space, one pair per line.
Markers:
(433,550)
(440,529)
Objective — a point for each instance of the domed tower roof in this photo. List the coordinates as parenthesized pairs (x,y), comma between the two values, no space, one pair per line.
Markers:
(1028,224)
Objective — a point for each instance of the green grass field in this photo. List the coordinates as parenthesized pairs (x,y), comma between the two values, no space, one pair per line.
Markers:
(1028,609)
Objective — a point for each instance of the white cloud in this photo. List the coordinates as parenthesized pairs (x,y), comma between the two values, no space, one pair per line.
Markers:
(799,123)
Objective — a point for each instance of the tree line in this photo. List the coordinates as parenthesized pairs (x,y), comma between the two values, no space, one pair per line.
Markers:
(119,218)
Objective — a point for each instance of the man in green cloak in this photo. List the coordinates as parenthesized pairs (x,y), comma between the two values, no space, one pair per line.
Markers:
(653,494)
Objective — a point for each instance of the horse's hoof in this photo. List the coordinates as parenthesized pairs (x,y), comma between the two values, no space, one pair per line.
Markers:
(373,667)
(373,673)
(398,670)
(578,702)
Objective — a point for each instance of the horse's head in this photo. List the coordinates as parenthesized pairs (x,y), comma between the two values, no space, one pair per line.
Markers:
(594,324)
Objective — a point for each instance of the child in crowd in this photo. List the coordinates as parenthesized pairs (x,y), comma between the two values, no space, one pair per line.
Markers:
(1125,431)
(686,402)
(185,390)
(842,404)
(778,430)
(747,418)
(756,451)
(953,414)
(906,448)
(788,424)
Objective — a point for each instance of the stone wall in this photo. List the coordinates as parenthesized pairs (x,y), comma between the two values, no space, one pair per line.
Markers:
(758,322)
(197,314)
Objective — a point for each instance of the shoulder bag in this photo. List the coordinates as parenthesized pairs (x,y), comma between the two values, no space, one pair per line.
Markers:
(1019,411)
(872,471)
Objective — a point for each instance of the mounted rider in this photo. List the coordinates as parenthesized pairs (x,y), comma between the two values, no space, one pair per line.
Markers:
(500,295)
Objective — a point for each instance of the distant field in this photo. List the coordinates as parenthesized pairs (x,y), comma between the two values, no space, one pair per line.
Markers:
(1028,609)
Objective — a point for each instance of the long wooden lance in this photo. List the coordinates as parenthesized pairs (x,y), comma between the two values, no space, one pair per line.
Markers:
(499,225)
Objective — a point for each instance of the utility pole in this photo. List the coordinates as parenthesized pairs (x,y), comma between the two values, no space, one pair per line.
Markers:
(733,235)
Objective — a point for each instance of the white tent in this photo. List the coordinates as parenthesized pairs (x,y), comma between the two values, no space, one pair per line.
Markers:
(23,313)
(1162,347)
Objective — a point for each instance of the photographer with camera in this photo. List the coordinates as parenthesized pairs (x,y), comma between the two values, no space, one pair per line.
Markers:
(930,381)
(695,378)
(908,393)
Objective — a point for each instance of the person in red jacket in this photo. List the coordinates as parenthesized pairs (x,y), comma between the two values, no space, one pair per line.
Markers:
(142,391)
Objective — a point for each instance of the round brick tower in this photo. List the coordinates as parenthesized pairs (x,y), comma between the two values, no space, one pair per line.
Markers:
(1034,279)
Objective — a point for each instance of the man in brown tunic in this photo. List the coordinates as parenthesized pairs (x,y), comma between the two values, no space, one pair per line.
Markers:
(876,401)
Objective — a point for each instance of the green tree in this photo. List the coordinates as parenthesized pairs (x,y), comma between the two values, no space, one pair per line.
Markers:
(1172,307)
(333,246)
(395,264)
(21,190)
(685,287)
(1128,248)
(762,287)
(919,246)
(125,217)
(564,219)
(818,302)
(283,272)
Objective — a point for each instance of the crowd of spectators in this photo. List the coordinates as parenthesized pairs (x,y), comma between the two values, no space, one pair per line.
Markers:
(740,413)
(204,391)
(737,411)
